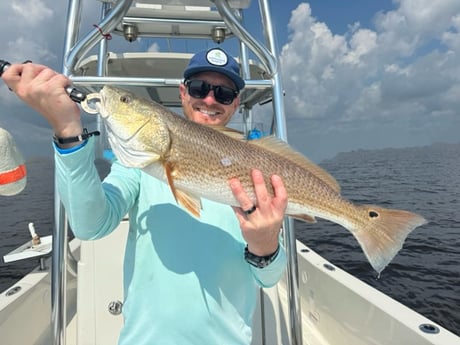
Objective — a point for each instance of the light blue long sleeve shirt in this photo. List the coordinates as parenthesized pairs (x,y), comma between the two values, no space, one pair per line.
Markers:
(185,279)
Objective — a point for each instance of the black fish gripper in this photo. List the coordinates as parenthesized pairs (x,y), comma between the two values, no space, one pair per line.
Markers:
(4,66)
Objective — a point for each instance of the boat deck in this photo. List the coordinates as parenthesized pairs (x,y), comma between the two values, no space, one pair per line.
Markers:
(326,293)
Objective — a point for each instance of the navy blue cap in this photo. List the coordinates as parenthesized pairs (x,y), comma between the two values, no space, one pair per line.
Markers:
(215,60)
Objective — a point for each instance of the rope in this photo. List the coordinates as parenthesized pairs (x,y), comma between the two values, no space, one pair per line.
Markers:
(107,36)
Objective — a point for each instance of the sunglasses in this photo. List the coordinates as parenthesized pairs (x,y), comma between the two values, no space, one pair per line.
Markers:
(200,89)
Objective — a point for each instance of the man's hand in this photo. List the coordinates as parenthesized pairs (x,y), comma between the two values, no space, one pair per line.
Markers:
(261,227)
(44,91)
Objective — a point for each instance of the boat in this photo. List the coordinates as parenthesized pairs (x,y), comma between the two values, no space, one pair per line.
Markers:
(75,295)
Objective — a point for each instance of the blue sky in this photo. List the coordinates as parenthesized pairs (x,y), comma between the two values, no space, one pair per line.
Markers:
(358,74)
(340,14)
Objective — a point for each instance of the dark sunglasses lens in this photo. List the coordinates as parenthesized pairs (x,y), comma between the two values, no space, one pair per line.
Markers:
(200,89)
(224,95)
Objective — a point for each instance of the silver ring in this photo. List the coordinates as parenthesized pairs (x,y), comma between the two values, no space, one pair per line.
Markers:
(251,210)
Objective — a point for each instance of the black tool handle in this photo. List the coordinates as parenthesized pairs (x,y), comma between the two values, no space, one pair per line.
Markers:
(4,66)
(75,94)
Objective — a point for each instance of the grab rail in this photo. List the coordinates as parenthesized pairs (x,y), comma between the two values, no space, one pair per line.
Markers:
(267,56)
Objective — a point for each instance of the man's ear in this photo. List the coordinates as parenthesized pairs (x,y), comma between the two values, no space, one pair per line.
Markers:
(236,103)
(182,91)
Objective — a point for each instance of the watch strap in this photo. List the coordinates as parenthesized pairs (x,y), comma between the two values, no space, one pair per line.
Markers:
(83,136)
(260,261)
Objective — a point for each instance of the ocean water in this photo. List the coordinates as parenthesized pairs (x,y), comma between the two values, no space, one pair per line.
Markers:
(34,204)
(425,275)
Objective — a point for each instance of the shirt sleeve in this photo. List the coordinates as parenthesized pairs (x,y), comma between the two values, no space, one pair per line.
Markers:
(94,209)
(271,274)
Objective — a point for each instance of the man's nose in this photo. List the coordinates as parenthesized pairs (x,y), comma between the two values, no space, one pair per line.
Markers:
(209,98)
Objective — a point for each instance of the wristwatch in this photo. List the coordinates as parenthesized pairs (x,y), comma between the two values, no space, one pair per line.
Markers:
(260,261)
(83,136)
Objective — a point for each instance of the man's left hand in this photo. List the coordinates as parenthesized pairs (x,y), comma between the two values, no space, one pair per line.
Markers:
(261,225)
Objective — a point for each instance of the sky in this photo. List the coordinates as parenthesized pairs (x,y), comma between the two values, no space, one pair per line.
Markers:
(361,74)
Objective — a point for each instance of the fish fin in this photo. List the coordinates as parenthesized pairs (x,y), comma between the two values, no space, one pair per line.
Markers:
(282,148)
(190,202)
(232,133)
(303,217)
(384,233)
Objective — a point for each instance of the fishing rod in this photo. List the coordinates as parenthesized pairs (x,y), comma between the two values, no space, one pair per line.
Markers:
(74,94)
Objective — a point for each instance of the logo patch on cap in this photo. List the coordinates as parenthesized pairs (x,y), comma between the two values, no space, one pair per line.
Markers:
(216,57)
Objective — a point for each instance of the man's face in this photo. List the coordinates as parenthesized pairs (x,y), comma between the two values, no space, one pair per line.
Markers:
(208,110)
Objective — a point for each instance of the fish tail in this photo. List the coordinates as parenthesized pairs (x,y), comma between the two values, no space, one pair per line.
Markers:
(383,233)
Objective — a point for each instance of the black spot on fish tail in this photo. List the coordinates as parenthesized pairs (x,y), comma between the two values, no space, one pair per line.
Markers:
(383,233)
(373,214)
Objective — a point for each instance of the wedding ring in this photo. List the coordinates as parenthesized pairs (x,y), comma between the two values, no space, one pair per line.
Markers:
(251,210)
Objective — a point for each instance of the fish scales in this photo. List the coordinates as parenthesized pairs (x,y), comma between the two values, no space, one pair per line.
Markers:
(206,159)
(197,161)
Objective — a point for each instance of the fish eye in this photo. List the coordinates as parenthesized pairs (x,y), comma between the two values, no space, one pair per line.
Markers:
(125,99)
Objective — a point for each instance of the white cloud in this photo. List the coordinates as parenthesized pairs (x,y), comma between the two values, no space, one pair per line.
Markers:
(28,47)
(31,12)
(361,44)
(32,29)
(20,49)
(401,77)
(451,38)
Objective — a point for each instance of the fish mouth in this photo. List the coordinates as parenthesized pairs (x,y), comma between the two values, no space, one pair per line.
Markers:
(102,104)
(116,134)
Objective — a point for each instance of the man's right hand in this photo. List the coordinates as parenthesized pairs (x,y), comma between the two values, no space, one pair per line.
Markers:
(44,91)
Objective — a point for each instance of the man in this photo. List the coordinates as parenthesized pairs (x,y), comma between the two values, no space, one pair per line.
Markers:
(186,280)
